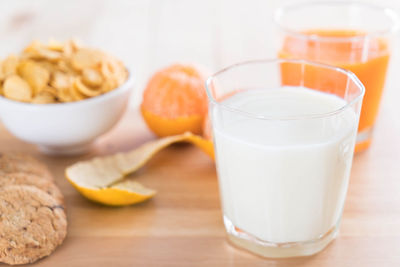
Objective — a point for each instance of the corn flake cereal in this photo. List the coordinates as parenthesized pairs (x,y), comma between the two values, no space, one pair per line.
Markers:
(59,72)
(16,88)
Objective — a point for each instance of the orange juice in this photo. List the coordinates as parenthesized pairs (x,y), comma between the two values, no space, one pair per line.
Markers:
(366,56)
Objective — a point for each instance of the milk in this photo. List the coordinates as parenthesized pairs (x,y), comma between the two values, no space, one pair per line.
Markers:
(283,180)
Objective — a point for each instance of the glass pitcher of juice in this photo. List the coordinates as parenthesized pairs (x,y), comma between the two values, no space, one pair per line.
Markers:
(354,36)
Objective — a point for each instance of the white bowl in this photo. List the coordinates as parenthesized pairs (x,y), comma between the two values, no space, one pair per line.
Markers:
(65,128)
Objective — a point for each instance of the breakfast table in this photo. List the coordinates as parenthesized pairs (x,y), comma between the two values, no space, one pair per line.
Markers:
(182,225)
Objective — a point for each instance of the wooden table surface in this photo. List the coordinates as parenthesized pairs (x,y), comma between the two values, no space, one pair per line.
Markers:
(182,225)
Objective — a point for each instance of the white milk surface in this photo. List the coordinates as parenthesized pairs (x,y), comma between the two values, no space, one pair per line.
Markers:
(284,180)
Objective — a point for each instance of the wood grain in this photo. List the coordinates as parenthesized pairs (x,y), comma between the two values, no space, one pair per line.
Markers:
(182,225)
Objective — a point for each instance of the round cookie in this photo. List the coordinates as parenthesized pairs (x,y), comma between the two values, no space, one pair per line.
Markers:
(32,224)
(17,162)
(20,178)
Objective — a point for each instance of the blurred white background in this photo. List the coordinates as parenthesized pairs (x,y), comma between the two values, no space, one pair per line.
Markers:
(150,34)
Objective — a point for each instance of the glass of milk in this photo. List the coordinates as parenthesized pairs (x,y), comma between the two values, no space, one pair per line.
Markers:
(284,134)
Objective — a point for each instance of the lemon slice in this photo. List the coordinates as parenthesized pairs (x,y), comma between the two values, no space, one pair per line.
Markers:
(101,179)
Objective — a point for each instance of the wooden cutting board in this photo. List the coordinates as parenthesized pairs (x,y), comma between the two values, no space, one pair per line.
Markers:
(182,225)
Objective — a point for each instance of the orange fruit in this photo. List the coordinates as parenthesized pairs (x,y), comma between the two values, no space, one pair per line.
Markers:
(175,101)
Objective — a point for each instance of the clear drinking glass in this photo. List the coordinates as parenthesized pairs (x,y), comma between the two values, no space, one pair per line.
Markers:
(284,151)
(354,36)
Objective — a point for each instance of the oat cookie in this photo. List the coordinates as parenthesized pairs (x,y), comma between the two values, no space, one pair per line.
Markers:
(18,162)
(20,178)
(32,224)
